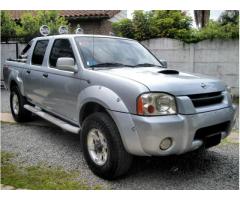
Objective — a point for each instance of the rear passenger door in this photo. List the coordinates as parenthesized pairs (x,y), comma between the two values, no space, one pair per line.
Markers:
(34,83)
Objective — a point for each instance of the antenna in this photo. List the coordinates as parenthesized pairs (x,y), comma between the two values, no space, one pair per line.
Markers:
(93,45)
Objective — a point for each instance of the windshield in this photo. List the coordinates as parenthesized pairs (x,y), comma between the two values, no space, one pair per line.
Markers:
(111,52)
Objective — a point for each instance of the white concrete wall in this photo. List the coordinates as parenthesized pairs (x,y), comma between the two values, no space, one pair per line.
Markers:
(121,15)
(216,58)
(9,51)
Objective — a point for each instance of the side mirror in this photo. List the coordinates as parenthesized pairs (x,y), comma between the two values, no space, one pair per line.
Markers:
(164,63)
(66,64)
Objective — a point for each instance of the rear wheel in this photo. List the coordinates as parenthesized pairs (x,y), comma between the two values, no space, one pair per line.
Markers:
(17,101)
(102,147)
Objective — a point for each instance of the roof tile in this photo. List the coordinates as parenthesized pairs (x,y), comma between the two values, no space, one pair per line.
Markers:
(16,14)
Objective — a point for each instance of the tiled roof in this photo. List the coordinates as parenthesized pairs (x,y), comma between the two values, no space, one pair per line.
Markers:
(16,14)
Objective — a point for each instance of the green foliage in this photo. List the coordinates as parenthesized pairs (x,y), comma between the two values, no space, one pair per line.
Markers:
(28,27)
(176,24)
(141,25)
(30,24)
(123,28)
(39,177)
(229,16)
(214,30)
(152,24)
(8,26)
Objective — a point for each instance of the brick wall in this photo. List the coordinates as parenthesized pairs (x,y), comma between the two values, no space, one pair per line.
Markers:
(101,27)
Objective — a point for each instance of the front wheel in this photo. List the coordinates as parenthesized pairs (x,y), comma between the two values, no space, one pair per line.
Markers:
(102,147)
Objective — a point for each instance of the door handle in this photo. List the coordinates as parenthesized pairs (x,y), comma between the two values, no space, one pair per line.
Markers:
(45,75)
(28,71)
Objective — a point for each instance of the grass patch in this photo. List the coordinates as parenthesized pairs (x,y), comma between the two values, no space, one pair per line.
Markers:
(227,141)
(39,177)
(233,138)
(4,122)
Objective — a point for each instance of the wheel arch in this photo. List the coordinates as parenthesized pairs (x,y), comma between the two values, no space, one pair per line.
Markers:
(16,80)
(101,98)
(89,108)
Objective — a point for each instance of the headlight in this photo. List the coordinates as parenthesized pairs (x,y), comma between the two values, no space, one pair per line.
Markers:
(156,104)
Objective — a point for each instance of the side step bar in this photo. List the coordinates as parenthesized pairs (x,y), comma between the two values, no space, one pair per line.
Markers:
(64,125)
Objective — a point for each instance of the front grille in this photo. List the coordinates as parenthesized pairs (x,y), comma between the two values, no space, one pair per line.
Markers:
(211,135)
(206,99)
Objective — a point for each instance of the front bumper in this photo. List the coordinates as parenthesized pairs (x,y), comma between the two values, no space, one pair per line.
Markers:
(142,135)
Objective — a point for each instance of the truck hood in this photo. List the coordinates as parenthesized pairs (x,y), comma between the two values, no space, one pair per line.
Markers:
(171,81)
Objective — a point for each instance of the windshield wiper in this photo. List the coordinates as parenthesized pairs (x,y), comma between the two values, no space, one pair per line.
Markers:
(109,65)
(147,65)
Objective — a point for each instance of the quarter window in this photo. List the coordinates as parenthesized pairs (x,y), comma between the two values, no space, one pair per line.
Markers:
(61,48)
(39,52)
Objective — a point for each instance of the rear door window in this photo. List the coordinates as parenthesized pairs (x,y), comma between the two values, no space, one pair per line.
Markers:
(61,48)
(39,52)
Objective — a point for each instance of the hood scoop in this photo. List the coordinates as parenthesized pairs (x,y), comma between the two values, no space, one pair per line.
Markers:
(169,71)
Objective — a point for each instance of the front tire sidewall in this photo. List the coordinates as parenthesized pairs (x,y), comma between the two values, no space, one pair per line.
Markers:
(103,123)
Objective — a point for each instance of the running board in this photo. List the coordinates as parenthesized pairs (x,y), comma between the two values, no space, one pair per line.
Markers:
(64,125)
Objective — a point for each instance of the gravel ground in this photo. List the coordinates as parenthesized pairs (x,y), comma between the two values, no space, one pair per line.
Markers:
(5,101)
(217,169)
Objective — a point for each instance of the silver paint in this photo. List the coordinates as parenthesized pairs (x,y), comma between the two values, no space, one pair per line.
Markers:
(65,93)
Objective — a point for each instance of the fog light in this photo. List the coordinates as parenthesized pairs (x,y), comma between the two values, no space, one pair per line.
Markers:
(166,144)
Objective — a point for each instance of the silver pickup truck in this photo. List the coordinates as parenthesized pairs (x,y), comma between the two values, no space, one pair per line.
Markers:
(119,97)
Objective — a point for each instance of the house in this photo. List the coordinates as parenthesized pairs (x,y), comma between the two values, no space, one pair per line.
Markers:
(91,21)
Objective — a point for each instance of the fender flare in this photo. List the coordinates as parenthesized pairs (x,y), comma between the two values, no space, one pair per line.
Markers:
(117,109)
(15,76)
(103,96)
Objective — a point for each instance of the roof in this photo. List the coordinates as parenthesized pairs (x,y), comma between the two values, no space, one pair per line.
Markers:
(80,35)
(16,14)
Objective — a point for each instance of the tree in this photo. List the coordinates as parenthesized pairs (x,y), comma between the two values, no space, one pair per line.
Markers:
(141,25)
(229,16)
(8,27)
(201,17)
(151,24)
(30,24)
(178,25)
(124,28)
(171,23)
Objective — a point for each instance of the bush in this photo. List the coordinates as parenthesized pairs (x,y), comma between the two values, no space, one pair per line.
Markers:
(177,25)
(8,27)
(124,28)
(151,24)
(30,24)
(229,16)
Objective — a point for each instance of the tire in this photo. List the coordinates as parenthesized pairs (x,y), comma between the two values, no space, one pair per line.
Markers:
(118,161)
(19,114)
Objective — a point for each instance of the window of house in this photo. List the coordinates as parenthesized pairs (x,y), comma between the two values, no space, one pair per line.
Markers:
(39,52)
(61,48)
